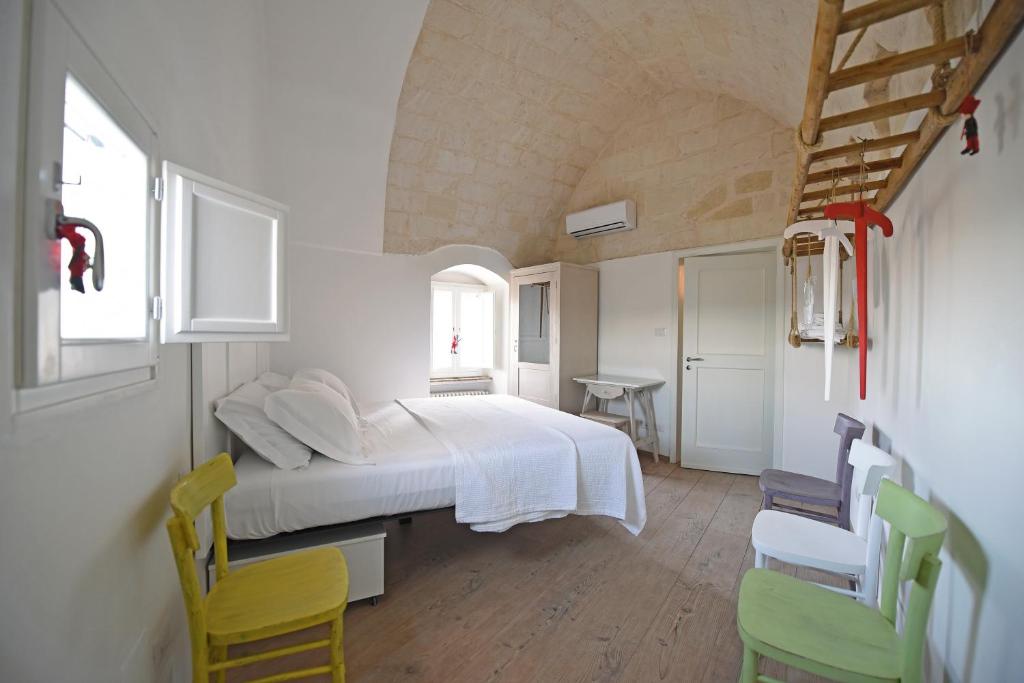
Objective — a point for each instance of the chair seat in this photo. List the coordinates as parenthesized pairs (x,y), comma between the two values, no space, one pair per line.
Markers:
(801,487)
(803,541)
(277,596)
(823,632)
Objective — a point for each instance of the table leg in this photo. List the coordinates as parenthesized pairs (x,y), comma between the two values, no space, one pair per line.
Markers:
(632,419)
(647,401)
(586,400)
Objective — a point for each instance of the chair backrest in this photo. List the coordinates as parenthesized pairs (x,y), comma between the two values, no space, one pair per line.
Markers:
(916,533)
(870,464)
(848,429)
(204,486)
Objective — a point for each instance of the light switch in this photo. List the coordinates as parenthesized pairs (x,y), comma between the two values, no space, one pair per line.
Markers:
(659,331)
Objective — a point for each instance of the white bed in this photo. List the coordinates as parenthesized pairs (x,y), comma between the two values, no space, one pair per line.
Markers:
(413,471)
(423,461)
(416,470)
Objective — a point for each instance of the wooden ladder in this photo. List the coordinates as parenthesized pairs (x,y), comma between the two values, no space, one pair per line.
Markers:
(976,52)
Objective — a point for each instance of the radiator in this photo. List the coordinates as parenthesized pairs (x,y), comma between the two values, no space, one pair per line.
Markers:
(446,394)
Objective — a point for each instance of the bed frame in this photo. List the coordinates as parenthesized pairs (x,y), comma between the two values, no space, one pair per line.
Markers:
(217,370)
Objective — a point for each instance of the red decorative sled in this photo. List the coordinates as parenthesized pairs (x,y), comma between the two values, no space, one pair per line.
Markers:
(862,216)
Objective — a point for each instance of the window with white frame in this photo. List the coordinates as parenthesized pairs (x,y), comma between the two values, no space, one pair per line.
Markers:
(90,303)
(461,329)
(90,225)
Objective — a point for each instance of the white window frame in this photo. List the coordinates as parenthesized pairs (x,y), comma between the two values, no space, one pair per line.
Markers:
(53,370)
(456,288)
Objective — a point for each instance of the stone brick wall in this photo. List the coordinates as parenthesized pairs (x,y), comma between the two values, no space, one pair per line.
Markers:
(702,168)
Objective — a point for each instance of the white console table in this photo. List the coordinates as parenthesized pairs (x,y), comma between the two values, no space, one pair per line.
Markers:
(604,387)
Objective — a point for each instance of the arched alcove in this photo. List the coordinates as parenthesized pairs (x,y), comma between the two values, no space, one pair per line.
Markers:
(480,268)
(468,311)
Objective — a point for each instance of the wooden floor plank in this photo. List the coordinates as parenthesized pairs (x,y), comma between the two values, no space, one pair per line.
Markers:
(607,630)
(553,602)
(700,607)
(576,599)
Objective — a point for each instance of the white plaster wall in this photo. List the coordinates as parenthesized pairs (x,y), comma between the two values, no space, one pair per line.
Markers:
(366,317)
(638,296)
(88,588)
(336,71)
(945,372)
(336,74)
(944,385)
(809,445)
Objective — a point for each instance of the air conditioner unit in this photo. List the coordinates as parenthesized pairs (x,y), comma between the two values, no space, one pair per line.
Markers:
(602,220)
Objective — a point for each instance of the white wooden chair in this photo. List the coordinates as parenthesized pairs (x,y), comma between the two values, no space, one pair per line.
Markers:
(809,543)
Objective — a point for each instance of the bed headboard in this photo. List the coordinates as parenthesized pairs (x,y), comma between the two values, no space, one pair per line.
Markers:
(217,370)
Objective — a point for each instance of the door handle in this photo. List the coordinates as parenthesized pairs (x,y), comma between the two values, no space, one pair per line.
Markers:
(64,228)
(692,358)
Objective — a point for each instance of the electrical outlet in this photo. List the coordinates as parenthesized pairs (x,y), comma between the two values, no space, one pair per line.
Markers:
(659,331)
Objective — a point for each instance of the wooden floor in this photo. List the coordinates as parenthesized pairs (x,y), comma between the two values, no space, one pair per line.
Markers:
(576,599)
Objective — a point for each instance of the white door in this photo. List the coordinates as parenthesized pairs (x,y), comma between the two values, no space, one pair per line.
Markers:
(728,360)
(534,333)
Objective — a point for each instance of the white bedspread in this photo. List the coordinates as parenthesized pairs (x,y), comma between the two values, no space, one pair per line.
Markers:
(517,462)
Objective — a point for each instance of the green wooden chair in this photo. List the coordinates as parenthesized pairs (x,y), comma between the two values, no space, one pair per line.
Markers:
(809,627)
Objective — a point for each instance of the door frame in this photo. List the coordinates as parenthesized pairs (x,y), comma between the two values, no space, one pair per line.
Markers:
(751,246)
(535,275)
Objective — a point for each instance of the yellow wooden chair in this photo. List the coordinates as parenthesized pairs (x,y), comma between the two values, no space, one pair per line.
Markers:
(261,600)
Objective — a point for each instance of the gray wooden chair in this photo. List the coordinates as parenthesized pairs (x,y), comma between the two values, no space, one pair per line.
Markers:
(812,490)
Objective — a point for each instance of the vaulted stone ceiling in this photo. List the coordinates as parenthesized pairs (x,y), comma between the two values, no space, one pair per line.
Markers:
(508,105)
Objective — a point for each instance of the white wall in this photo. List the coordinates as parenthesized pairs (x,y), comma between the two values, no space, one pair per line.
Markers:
(945,374)
(638,296)
(809,445)
(89,590)
(336,74)
(945,383)
(366,317)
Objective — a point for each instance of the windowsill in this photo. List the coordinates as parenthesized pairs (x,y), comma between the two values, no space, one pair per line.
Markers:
(100,388)
(460,383)
(460,378)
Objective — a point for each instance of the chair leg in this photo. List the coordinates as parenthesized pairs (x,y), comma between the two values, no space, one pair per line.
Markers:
(748,674)
(337,651)
(218,653)
(758,559)
(200,661)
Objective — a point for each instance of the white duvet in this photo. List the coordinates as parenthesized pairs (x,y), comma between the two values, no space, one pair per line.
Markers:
(517,462)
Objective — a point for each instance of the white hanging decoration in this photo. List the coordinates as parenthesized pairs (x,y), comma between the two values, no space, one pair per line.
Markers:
(828,231)
(807,307)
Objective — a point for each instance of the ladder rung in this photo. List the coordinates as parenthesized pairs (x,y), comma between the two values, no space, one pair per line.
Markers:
(845,189)
(898,63)
(854,169)
(884,110)
(874,12)
(868,146)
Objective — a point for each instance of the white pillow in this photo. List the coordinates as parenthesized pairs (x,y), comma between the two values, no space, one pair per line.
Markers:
(274,381)
(241,411)
(319,417)
(331,380)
